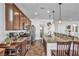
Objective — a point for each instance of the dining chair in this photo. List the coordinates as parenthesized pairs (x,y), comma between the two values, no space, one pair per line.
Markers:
(75,51)
(63,49)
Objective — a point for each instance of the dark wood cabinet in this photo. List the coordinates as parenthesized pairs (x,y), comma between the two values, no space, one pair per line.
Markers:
(23,48)
(29,22)
(15,18)
(23,21)
(9,16)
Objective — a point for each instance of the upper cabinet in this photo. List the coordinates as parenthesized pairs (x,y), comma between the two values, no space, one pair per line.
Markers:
(9,16)
(15,19)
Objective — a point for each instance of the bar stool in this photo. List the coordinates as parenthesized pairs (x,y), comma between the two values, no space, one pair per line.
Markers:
(63,49)
(75,48)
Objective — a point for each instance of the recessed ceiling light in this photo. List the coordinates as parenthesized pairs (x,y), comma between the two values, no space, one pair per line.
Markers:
(36,13)
(48,11)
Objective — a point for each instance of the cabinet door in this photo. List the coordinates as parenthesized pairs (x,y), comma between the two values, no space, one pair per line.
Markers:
(16,21)
(23,47)
(29,22)
(9,16)
(23,21)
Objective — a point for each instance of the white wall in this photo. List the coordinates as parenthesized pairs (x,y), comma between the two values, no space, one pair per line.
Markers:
(2,22)
(61,27)
(37,23)
(56,27)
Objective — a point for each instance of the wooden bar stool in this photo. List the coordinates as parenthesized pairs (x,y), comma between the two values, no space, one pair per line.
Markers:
(63,49)
(75,48)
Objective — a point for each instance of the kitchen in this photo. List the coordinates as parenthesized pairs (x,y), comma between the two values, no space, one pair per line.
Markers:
(52,23)
(16,39)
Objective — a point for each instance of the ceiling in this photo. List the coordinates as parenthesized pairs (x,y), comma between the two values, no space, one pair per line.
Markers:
(69,11)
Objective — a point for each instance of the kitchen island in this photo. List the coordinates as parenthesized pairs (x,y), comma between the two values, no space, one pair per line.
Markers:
(50,43)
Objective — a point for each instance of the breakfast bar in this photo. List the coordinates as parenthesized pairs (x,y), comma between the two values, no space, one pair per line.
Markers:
(51,43)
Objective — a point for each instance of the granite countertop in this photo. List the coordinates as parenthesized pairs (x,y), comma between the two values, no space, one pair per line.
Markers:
(13,44)
(17,43)
(21,39)
(55,39)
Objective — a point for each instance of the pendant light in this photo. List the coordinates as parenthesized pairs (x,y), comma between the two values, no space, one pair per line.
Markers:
(60,20)
(53,15)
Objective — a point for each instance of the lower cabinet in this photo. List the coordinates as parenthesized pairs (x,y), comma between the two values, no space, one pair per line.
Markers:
(18,48)
(23,48)
(19,51)
(2,53)
(13,51)
(25,45)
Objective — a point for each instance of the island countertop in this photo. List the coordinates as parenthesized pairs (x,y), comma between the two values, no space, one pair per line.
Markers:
(54,39)
(50,43)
